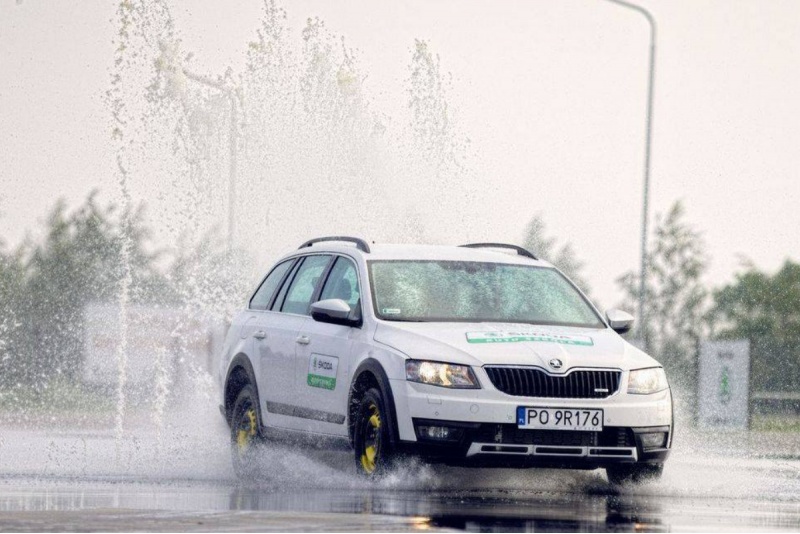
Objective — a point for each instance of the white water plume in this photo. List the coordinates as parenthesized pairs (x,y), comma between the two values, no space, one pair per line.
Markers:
(126,21)
(236,166)
(306,152)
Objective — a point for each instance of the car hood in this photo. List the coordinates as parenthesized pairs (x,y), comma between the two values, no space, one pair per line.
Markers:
(481,344)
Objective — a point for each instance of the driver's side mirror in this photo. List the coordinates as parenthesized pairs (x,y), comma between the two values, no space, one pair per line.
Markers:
(619,321)
(335,311)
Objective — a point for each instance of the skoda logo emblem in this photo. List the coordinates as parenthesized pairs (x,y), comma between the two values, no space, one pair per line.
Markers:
(556,364)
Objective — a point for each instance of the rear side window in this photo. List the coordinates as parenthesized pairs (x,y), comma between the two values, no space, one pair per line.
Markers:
(278,302)
(261,299)
(298,298)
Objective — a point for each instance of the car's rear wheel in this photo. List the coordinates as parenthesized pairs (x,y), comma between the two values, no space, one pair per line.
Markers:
(623,474)
(374,450)
(245,433)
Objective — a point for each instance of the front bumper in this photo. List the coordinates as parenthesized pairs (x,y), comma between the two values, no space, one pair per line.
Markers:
(485,431)
(505,445)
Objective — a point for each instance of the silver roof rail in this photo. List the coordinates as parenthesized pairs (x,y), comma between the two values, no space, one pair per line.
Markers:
(360,243)
(521,251)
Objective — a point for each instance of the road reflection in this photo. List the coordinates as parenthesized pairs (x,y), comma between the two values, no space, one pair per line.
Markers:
(473,511)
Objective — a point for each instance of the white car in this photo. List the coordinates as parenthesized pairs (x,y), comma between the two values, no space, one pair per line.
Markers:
(478,355)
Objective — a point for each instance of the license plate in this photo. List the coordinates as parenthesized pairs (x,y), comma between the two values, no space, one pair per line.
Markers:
(560,418)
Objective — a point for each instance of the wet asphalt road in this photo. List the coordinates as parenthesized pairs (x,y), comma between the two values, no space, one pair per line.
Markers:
(316,491)
(175,475)
(584,503)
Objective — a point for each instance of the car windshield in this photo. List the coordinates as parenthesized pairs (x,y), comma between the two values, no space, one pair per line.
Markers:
(468,291)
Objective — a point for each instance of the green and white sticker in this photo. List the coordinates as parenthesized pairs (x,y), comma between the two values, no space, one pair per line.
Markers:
(520,337)
(322,371)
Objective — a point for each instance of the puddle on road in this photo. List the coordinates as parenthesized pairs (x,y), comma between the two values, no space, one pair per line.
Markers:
(586,504)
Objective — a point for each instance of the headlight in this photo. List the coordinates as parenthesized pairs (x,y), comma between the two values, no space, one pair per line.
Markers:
(646,381)
(441,374)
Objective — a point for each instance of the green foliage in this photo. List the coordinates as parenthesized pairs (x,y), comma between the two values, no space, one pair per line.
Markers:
(12,304)
(431,119)
(331,85)
(674,294)
(59,395)
(563,257)
(46,286)
(765,310)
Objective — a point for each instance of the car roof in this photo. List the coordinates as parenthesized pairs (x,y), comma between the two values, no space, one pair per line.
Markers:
(424,252)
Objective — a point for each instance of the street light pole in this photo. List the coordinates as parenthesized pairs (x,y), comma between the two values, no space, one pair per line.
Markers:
(232,147)
(646,189)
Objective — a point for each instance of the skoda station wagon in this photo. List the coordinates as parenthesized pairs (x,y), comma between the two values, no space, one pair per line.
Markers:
(476,355)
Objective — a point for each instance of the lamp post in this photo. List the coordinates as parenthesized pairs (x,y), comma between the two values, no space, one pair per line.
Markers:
(648,138)
(232,147)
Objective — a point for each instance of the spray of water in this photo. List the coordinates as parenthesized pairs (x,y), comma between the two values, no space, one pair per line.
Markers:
(163,381)
(119,117)
(134,21)
(238,167)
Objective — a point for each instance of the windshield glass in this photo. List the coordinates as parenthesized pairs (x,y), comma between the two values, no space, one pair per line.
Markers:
(443,291)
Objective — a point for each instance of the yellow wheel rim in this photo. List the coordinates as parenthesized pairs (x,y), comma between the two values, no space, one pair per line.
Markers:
(247,431)
(371,440)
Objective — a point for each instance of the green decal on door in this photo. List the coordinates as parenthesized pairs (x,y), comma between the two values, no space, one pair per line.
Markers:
(322,371)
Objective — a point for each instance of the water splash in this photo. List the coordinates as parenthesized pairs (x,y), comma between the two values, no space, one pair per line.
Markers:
(126,20)
(163,382)
(236,168)
(135,21)
(307,136)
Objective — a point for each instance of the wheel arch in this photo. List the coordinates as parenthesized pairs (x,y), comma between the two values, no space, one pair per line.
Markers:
(240,373)
(370,373)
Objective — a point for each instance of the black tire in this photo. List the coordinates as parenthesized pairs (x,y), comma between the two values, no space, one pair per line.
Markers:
(246,438)
(372,441)
(624,474)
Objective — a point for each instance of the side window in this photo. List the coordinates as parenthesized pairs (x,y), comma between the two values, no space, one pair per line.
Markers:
(261,299)
(342,283)
(298,297)
(278,302)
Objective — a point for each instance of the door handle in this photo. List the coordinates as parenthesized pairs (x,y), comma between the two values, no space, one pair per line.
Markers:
(303,340)
(260,334)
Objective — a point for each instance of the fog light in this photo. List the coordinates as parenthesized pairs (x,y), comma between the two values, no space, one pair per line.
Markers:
(653,440)
(435,432)
(439,433)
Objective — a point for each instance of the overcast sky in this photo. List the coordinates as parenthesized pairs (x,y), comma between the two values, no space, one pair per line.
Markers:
(551,93)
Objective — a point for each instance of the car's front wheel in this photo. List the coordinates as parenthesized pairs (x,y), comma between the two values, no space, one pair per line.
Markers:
(245,433)
(622,474)
(374,449)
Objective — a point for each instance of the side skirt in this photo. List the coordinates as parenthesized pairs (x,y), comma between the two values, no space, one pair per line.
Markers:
(307,439)
(304,413)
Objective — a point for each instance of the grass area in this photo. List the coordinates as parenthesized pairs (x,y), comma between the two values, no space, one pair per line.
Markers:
(775,423)
(59,396)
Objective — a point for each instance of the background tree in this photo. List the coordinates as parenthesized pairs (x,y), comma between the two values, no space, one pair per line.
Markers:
(431,116)
(79,261)
(675,295)
(12,303)
(545,247)
(765,310)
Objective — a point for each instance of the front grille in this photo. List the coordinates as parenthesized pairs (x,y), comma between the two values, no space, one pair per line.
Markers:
(508,434)
(532,382)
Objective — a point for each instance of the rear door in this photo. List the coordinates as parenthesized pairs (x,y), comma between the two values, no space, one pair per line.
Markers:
(289,311)
(259,320)
(322,373)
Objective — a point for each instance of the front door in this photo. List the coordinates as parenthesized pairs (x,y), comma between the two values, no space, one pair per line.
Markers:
(322,372)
